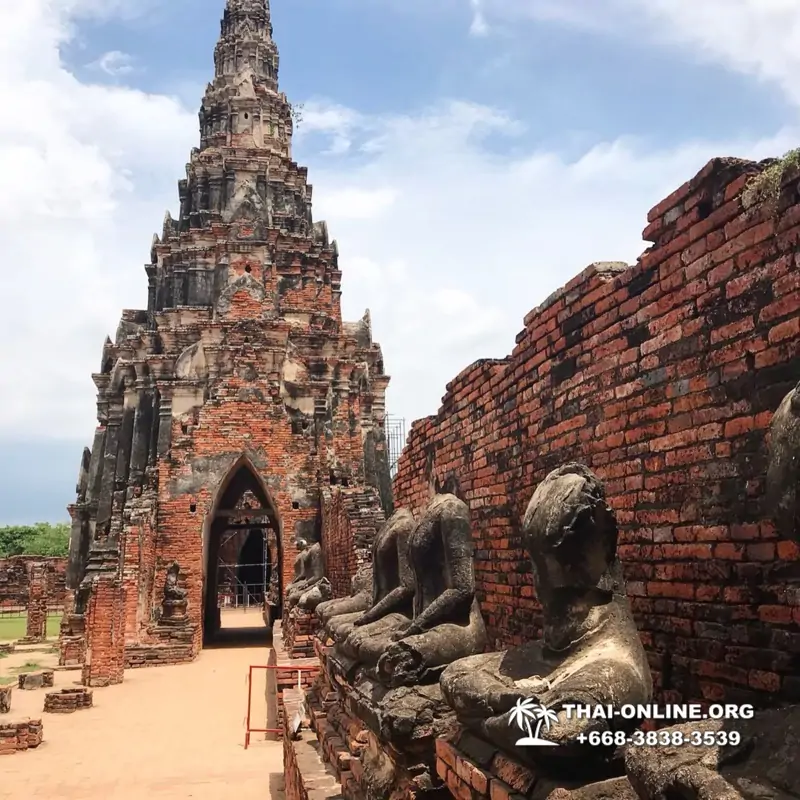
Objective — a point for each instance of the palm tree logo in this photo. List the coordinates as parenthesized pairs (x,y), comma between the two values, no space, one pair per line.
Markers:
(521,715)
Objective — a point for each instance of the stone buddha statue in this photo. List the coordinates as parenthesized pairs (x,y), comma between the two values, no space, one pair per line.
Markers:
(173,606)
(590,652)
(355,604)
(309,570)
(320,592)
(445,621)
(783,470)
(391,593)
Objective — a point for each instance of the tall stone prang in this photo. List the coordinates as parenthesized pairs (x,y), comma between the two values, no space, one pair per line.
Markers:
(239,394)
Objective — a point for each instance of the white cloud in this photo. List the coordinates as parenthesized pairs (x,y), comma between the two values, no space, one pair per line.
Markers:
(754,37)
(482,239)
(479,26)
(78,206)
(447,242)
(114,63)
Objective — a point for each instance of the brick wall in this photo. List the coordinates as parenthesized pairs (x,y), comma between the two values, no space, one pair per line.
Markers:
(14,580)
(662,377)
(350,520)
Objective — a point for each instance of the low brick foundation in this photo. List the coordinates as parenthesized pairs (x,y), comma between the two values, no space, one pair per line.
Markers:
(306,775)
(6,649)
(296,672)
(19,736)
(369,767)
(299,632)
(72,639)
(36,680)
(5,699)
(67,701)
(172,644)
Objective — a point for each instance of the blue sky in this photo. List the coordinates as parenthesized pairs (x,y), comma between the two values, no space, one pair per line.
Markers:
(470,156)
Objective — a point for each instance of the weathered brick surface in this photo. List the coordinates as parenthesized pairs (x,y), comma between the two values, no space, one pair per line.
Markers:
(67,701)
(350,520)
(298,632)
(14,580)
(662,377)
(104,659)
(16,737)
(293,673)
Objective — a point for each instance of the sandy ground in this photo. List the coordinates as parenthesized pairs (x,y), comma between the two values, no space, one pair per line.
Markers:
(165,732)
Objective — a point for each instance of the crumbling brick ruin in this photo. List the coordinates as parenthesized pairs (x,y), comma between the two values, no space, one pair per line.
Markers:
(234,400)
(14,581)
(662,378)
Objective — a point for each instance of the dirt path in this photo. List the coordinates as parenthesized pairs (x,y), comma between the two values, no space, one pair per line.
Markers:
(165,732)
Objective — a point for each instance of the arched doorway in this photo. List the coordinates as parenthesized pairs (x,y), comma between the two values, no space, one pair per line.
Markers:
(253,568)
(241,524)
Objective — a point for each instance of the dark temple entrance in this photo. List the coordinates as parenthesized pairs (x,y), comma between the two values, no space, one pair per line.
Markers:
(243,555)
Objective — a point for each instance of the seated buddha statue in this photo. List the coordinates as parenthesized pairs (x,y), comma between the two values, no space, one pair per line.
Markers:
(445,622)
(391,593)
(309,570)
(590,652)
(356,603)
(783,468)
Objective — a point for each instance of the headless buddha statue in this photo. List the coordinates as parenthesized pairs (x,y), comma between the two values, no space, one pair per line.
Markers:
(590,652)
(346,609)
(783,469)
(445,623)
(391,593)
(309,570)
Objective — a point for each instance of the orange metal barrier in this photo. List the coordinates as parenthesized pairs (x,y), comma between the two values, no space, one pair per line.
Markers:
(284,668)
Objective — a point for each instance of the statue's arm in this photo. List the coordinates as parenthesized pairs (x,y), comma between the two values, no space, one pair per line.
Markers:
(603,683)
(396,598)
(457,548)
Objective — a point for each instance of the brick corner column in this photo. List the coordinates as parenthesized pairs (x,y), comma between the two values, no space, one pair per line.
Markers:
(104,660)
(36,629)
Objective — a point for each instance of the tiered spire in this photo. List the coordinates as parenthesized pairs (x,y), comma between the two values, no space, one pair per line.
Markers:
(244,94)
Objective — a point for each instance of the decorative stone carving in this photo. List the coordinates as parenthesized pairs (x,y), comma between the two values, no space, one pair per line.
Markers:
(783,470)
(445,623)
(173,607)
(590,652)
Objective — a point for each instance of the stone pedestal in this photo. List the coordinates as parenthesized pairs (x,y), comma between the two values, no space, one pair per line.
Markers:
(299,631)
(5,699)
(17,737)
(43,679)
(174,613)
(67,701)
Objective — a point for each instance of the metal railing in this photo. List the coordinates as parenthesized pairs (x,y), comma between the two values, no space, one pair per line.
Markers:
(395,431)
(274,668)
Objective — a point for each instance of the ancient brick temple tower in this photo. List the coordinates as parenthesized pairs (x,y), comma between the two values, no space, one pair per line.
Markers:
(239,394)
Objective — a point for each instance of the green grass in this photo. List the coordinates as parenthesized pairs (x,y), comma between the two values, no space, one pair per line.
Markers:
(5,681)
(764,189)
(28,666)
(13,628)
